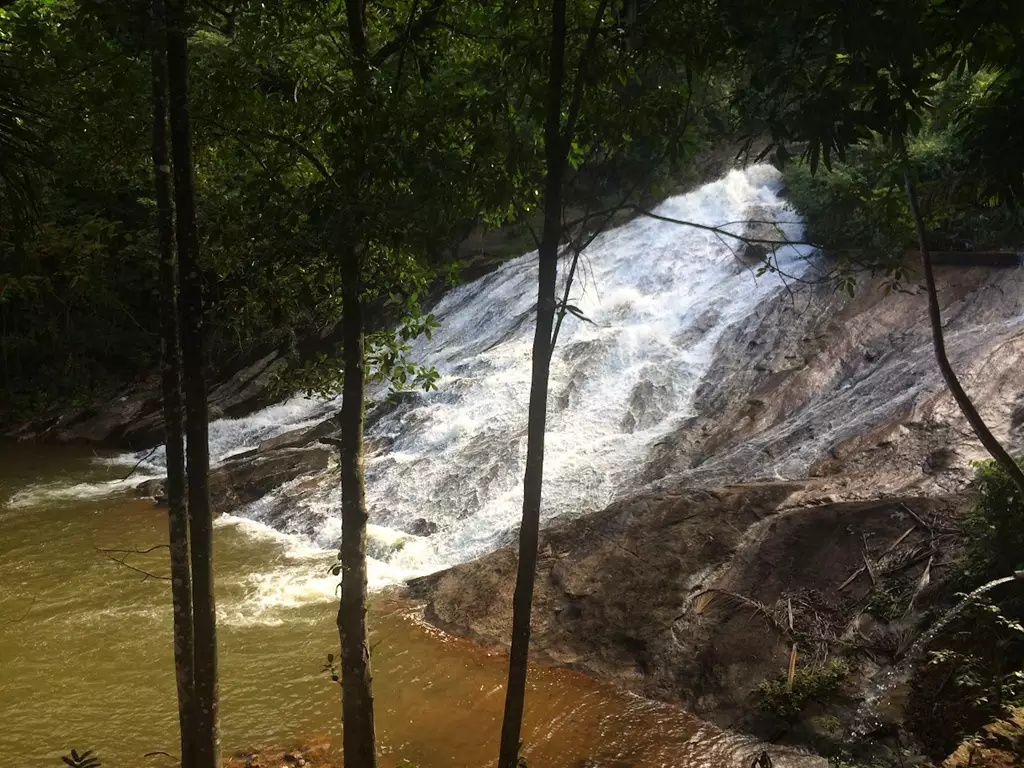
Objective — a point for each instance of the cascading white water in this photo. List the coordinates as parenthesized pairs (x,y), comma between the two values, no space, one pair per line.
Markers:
(657,297)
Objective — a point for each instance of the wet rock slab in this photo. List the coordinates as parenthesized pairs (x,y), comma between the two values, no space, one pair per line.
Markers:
(246,479)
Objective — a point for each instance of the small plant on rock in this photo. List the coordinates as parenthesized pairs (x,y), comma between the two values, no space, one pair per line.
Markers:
(812,684)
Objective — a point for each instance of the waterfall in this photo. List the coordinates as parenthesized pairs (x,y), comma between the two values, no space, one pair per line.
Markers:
(657,296)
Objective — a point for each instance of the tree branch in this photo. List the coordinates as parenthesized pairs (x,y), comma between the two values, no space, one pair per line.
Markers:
(23,615)
(413,31)
(125,553)
(581,76)
(967,407)
(137,464)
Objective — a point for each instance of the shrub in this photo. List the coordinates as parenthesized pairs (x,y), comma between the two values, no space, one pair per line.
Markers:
(994,527)
(812,684)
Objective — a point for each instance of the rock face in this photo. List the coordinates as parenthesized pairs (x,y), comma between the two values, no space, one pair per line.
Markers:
(681,589)
(648,591)
(133,420)
(245,479)
(816,383)
(1001,745)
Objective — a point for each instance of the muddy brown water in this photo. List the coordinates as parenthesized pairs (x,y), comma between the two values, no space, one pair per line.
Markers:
(85,652)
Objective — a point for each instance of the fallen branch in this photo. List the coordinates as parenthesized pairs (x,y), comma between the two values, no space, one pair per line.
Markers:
(861,570)
(867,561)
(137,464)
(927,555)
(914,515)
(125,553)
(758,607)
(924,581)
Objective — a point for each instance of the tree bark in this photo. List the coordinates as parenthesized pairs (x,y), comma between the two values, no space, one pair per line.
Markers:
(984,434)
(555,147)
(207,736)
(177,511)
(359,737)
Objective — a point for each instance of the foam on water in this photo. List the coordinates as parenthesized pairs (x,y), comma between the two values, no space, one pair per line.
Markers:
(59,491)
(657,296)
(303,574)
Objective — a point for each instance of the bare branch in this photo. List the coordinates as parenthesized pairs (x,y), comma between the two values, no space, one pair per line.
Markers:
(125,553)
(24,615)
(581,76)
(401,42)
(160,753)
(137,464)
(135,551)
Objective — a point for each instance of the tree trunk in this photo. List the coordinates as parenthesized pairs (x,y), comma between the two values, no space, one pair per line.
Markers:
(177,512)
(555,147)
(984,434)
(359,739)
(207,737)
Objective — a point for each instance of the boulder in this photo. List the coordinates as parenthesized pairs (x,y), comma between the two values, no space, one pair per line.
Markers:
(238,482)
(754,254)
(241,481)
(298,438)
(421,527)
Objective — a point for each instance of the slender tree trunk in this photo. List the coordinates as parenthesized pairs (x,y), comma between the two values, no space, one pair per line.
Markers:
(177,511)
(359,740)
(359,737)
(529,531)
(207,737)
(984,434)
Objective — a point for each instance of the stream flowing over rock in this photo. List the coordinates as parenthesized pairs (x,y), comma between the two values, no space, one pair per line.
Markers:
(713,437)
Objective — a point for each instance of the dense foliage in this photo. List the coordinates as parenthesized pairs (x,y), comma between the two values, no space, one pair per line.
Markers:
(975,675)
(456,143)
(860,204)
(453,138)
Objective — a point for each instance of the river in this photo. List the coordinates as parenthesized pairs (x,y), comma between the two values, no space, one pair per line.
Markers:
(85,651)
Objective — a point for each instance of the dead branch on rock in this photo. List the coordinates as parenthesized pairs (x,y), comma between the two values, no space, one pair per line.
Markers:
(863,568)
(917,517)
(758,607)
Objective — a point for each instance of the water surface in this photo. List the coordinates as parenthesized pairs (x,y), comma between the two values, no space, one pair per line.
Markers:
(85,650)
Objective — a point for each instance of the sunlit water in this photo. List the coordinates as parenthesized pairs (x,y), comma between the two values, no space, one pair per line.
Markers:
(85,643)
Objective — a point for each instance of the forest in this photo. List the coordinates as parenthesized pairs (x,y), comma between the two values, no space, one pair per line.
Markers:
(187,186)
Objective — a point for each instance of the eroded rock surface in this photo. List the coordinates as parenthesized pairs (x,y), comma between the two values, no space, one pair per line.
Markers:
(249,478)
(645,591)
(830,413)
